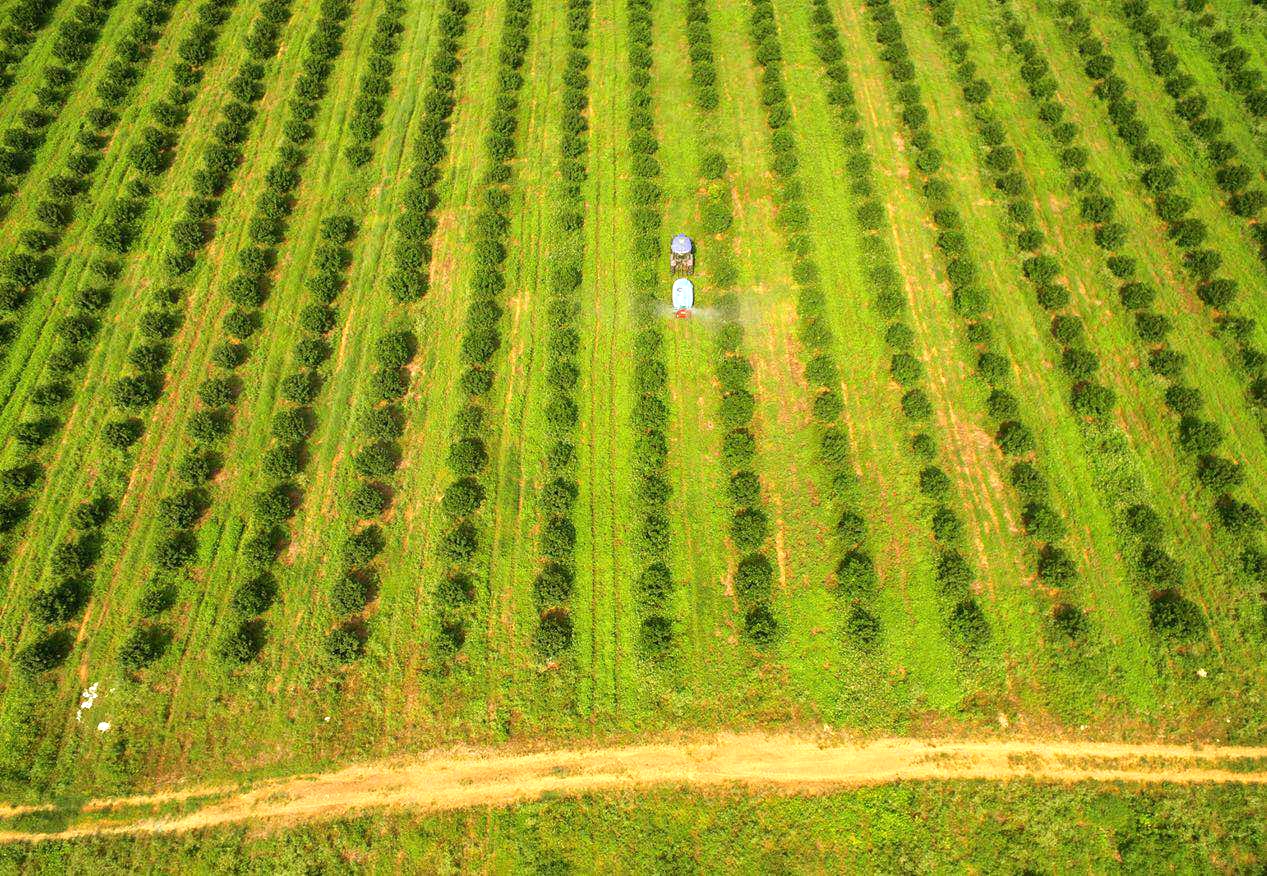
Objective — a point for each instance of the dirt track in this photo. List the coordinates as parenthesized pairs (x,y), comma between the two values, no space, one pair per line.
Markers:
(773,764)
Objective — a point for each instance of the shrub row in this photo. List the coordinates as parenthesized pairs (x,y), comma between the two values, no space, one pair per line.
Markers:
(22,22)
(248,289)
(1198,437)
(854,578)
(32,259)
(1090,401)
(73,43)
(383,422)
(963,616)
(699,37)
(412,256)
(481,340)
(553,585)
(1189,104)
(749,523)
(74,332)
(1234,59)
(375,84)
(1172,615)
(650,415)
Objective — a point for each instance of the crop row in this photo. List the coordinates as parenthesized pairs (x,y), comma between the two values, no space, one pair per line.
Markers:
(1159,177)
(384,422)
(1137,522)
(375,84)
(481,339)
(1193,107)
(650,415)
(854,579)
(74,43)
(353,587)
(963,615)
(1197,438)
(1233,58)
(32,260)
(749,521)
(552,588)
(22,22)
(181,511)
(68,590)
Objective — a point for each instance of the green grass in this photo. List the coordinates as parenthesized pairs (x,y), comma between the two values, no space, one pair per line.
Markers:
(293,708)
(968,827)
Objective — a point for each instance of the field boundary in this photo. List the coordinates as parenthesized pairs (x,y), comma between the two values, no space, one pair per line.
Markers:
(781,764)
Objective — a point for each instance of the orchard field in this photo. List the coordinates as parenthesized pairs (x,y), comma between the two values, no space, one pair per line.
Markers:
(342,411)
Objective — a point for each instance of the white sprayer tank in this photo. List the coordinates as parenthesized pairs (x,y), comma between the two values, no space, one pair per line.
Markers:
(683,294)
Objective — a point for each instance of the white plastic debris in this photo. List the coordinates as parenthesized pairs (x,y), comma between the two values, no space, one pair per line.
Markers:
(87,699)
(1201,673)
(103,726)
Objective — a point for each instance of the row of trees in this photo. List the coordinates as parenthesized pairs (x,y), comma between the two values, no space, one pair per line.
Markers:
(1198,437)
(182,510)
(552,588)
(749,524)
(73,43)
(650,414)
(1193,107)
(411,258)
(69,578)
(295,420)
(963,616)
(481,336)
(383,422)
(1234,59)
(375,84)
(22,22)
(1153,564)
(1087,399)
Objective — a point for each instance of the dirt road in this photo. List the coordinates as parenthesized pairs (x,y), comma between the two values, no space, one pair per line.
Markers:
(765,763)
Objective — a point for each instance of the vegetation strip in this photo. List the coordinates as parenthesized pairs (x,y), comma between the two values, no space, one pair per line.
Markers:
(57,603)
(23,22)
(74,44)
(1190,105)
(481,341)
(1239,73)
(650,415)
(962,614)
(749,521)
(384,423)
(1159,177)
(71,564)
(1136,521)
(553,586)
(1198,438)
(267,231)
(331,262)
